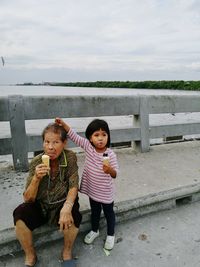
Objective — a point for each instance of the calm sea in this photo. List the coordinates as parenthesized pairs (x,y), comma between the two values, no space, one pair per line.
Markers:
(55,90)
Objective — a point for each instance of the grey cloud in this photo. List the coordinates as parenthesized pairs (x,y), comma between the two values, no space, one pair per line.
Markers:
(91,40)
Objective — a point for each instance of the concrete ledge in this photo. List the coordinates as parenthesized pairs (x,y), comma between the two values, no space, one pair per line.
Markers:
(125,210)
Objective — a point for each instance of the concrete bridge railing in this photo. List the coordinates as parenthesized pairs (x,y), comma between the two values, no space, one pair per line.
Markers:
(17,109)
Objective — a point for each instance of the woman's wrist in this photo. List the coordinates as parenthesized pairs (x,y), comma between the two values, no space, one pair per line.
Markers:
(36,178)
(69,204)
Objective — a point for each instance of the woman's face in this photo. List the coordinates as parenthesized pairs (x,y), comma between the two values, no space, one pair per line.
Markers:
(53,145)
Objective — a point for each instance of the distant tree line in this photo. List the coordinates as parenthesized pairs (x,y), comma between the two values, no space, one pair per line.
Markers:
(176,85)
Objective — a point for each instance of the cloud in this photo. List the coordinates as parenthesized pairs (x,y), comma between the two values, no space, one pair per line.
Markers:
(141,39)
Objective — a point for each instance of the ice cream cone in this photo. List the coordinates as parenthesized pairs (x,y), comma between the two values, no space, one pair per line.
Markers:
(45,160)
(106,159)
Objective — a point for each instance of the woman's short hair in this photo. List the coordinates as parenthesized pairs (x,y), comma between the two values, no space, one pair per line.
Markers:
(57,129)
(96,125)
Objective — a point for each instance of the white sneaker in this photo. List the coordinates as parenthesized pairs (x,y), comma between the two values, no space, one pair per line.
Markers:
(110,241)
(91,236)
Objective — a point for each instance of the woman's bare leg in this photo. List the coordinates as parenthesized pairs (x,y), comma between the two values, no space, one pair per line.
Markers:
(25,237)
(69,238)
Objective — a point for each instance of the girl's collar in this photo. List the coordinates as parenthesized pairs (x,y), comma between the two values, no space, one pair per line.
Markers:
(100,152)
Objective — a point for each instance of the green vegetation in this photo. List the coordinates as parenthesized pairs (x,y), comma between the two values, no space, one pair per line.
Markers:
(176,85)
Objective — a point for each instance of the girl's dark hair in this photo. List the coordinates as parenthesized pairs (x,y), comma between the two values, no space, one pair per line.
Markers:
(57,129)
(96,125)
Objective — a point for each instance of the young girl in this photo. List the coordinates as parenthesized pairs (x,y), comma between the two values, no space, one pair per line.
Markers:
(97,177)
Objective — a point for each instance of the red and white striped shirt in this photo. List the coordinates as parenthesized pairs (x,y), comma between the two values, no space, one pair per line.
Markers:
(95,183)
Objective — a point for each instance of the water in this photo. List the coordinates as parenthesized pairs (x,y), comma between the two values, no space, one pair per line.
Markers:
(54,90)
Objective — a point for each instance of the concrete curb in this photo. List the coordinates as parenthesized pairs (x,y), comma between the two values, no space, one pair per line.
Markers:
(125,210)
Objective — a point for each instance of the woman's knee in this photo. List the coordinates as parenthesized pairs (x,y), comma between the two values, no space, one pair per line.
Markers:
(18,213)
(20,224)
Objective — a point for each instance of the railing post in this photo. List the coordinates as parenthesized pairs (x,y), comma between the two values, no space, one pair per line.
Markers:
(142,120)
(144,124)
(18,133)
(136,124)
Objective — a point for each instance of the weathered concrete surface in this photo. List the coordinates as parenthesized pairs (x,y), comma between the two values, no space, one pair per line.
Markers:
(168,238)
(147,182)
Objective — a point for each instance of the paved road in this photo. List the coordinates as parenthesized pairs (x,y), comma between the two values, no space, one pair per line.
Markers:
(169,238)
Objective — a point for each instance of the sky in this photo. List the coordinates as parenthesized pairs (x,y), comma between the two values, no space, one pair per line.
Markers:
(93,40)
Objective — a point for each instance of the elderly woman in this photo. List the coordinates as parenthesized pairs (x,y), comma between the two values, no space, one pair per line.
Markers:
(50,196)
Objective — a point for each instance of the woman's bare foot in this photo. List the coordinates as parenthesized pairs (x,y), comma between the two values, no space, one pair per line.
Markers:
(30,260)
(66,255)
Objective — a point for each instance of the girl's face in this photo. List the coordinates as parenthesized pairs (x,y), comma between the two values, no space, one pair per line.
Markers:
(99,139)
(53,145)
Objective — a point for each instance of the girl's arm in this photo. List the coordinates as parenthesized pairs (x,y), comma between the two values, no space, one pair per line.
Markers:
(77,139)
(61,122)
(109,170)
(112,166)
